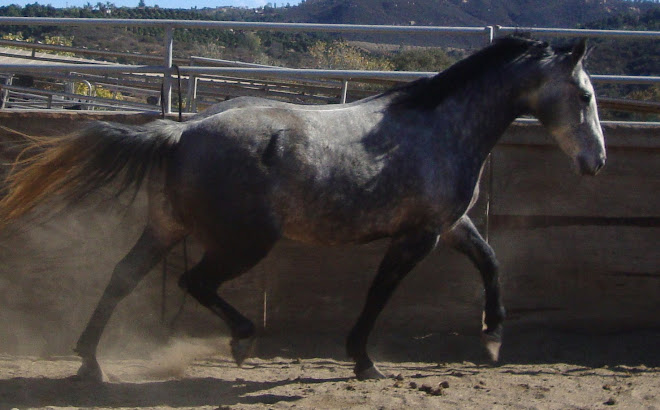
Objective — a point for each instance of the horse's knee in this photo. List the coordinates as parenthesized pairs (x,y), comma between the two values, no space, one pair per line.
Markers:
(204,290)
(244,330)
(494,317)
(184,281)
(124,279)
(201,289)
(493,320)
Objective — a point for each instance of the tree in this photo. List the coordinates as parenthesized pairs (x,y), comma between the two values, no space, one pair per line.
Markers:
(341,55)
(427,59)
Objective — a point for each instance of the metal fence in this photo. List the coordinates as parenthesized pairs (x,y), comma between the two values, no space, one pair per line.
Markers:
(167,69)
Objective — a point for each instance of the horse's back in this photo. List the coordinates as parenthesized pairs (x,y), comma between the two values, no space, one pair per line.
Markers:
(310,170)
(249,101)
(239,102)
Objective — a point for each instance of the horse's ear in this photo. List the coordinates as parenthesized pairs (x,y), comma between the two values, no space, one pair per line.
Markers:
(579,50)
(590,49)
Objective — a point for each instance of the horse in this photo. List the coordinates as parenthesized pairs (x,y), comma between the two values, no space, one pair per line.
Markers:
(403,165)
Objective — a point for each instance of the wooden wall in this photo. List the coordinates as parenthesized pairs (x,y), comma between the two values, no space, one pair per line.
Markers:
(575,252)
(579,251)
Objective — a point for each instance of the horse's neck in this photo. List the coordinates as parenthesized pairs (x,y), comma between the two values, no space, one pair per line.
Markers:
(485,110)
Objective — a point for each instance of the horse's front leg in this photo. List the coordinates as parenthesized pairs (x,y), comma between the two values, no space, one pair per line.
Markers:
(401,257)
(202,282)
(226,260)
(465,238)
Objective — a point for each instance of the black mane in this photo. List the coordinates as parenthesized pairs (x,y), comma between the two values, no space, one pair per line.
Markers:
(428,93)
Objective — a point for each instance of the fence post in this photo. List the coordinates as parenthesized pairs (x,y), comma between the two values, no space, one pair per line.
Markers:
(490,32)
(344,91)
(192,94)
(167,72)
(192,90)
(4,93)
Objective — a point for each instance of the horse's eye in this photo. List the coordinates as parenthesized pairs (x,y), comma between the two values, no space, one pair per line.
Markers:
(585,97)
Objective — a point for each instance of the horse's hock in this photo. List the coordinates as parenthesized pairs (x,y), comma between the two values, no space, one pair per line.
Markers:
(575,253)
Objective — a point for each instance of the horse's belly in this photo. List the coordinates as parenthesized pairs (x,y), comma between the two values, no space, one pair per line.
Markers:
(317,233)
(336,237)
(358,225)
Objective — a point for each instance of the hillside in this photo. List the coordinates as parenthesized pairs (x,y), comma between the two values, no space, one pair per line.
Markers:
(533,13)
(517,13)
(323,50)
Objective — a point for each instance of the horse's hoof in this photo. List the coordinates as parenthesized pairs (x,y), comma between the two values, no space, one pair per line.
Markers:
(492,342)
(370,373)
(241,349)
(90,371)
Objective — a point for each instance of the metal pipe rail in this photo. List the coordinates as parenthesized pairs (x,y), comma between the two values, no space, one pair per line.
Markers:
(245,25)
(310,73)
(217,62)
(328,28)
(489,32)
(575,32)
(625,79)
(66,49)
(63,98)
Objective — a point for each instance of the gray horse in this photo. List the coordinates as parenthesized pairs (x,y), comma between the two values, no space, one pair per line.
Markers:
(403,165)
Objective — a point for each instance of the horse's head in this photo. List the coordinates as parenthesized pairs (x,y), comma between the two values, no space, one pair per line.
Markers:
(566,104)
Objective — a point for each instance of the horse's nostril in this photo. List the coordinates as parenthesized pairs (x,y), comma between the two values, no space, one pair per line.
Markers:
(585,166)
(590,166)
(600,163)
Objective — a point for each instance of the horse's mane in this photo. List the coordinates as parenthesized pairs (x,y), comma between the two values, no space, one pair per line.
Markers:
(428,93)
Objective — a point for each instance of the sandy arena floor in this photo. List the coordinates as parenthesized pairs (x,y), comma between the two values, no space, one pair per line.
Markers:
(188,376)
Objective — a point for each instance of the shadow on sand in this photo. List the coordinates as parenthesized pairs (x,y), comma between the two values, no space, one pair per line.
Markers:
(38,392)
(624,353)
(521,346)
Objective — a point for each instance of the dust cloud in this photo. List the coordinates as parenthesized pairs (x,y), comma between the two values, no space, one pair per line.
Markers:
(173,359)
(55,266)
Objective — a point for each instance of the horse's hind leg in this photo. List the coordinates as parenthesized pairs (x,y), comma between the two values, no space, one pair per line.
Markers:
(144,255)
(401,257)
(465,238)
(220,264)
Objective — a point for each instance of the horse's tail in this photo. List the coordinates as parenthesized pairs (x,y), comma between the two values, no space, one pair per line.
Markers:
(74,166)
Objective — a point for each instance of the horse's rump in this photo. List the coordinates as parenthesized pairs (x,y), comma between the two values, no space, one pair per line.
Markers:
(77,164)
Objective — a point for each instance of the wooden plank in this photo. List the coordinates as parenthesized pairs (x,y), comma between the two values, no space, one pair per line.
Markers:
(316,288)
(622,104)
(602,277)
(535,180)
(638,135)
(319,290)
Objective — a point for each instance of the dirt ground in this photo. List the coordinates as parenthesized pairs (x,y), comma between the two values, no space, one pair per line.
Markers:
(192,374)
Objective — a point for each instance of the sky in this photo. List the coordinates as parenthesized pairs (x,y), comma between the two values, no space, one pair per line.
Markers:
(170,4)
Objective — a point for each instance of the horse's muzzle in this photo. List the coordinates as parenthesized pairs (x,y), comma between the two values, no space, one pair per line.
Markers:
(589,164)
